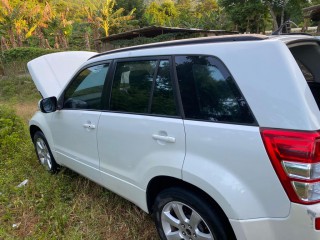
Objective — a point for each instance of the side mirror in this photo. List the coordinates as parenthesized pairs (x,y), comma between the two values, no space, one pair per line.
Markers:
(48,105)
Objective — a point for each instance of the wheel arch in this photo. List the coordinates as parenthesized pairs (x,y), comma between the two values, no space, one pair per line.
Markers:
(160,183)
(39,123)
(33,129)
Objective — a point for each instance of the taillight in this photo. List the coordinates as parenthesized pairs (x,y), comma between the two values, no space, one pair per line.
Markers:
(295,156)
(317,223)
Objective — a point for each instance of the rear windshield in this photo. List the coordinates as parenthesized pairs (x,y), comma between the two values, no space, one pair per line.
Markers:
(307,55)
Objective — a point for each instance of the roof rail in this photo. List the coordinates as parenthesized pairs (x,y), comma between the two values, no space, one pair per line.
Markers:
(203,40)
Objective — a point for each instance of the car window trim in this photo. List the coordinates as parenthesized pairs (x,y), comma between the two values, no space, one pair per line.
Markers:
(153,86)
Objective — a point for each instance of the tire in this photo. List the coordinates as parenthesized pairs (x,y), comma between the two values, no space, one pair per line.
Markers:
(44,154)
(181,214)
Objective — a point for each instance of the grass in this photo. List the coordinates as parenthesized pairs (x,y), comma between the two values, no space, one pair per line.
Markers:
(62,206)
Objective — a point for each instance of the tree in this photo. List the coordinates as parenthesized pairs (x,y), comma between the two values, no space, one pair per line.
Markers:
(102,14)
(208,14)
(283,10)
(11,19)
(138,5)
(247,15)
(163,15)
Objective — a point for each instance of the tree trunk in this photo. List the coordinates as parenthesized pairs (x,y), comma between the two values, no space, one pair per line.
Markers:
(87,41)
(282,16)
(305,25)
(248,26)
(4,45)
(274,17)
(46,42)
(63,41)
(19,38)
(41,40)
(96,35)
(12,40)
(56,42)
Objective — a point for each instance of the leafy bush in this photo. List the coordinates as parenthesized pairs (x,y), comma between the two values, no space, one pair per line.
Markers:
(18,90)
(14,61)
(23,54)
(12,133)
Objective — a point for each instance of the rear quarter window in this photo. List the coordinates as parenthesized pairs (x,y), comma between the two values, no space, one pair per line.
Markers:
(307,55)
(209,92)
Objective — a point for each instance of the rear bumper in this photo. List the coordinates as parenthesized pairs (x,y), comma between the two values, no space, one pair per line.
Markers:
(300,224)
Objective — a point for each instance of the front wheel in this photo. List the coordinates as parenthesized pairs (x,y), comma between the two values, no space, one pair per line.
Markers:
(44,154)
(182,215)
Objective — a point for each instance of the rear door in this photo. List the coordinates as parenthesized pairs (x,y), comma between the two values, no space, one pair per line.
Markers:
(142,134)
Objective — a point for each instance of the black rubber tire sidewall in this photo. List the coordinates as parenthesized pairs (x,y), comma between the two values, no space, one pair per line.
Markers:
(217,227)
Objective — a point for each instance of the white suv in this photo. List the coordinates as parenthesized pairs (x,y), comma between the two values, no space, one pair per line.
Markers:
(217,137)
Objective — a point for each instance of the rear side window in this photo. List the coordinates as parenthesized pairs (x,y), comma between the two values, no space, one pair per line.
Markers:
(143,87)
(132,86)
(163,98)
(208,91)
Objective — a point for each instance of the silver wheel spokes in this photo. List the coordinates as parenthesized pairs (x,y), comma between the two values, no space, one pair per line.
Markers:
(181,222)
(43,154)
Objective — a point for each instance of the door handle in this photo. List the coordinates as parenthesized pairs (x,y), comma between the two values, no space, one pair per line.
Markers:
(164,138)
(89,126)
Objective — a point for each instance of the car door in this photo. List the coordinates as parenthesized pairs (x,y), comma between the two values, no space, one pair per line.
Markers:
(142,134)
(74,127)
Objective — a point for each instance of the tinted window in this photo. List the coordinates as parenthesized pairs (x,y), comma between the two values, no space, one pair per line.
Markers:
(85,91)
(163,98)
(306,72)
(208,91)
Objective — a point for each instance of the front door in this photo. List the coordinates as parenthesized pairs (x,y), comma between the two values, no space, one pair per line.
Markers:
(74,127)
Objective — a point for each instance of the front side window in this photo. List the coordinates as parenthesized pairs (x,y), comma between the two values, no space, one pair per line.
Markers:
(208,91)
(86,89)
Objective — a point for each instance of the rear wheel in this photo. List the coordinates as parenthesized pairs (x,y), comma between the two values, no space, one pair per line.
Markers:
(183,215)
(44,154)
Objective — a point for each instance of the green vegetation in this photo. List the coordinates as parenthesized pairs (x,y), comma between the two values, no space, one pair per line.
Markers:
(74,24)
(18,90)
(23,54)
(62,206)
(14,61)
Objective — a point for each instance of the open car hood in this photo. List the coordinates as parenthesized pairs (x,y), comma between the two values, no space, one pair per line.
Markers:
(52,72)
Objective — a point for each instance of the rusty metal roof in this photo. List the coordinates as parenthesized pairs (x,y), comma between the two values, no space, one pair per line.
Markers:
(312,12)
(153,31)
